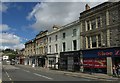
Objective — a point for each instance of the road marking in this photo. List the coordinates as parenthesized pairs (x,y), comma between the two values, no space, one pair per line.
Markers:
(43,76)
(7,74)
(10,79)
(0,81)
(26,70)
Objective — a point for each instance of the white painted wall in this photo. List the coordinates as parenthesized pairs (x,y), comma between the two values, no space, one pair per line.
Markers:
(69,38)
(53,42)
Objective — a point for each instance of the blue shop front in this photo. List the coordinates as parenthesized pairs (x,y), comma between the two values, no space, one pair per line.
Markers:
(101,60)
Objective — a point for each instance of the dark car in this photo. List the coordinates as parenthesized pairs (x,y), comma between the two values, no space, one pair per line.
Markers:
(12,62)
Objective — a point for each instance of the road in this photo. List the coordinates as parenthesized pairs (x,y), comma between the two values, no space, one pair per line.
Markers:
(13,73)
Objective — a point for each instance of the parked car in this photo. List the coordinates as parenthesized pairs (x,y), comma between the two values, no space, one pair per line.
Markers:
(12,62)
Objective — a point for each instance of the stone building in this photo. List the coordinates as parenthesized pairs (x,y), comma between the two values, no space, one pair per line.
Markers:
(29,52)
(41,48)
(100,28)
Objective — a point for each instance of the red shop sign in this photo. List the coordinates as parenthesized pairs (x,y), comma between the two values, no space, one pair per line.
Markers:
(94,63)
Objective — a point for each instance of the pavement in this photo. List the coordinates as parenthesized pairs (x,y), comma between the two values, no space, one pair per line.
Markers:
(93,76)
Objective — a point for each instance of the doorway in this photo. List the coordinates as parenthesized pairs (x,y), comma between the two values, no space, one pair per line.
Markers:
(116,60)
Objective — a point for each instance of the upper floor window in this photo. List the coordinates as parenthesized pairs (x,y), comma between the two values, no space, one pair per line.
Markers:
(56,47)
(74,44)
(50,48)
(56,37)
(88,25)
(64,47)
(50,39)
(94,44)
(93,24)
(98,22)
(74,32)
(63,35)
(88,40)
(99,40)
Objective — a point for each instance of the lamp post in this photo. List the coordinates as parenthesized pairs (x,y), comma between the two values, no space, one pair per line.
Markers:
(81,62)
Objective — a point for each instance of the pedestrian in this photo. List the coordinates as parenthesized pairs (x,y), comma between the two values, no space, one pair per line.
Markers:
(118,68)
(115,71)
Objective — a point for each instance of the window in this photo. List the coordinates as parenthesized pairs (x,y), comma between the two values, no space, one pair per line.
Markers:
(74,44)
(93,24)
(50,48)
(74,32)
(98,22)
(56,47)
(44,40)
(99,40)
(56,37)
(94,41)
(63,35)
(50,39)
(63,46)
(88,25)
(88,40)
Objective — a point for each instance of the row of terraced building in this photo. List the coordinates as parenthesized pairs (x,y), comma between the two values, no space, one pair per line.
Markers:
(91,42)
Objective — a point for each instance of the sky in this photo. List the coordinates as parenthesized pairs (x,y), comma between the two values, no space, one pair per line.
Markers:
(22,20)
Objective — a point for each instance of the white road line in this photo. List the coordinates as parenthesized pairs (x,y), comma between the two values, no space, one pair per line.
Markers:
(43,76)
(0,81)
(10,79)
(26,70)
(7,74)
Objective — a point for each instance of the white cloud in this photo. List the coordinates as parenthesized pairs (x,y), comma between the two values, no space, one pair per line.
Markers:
(4,27)
(9,38)
(19,46)
(3,7)
(47,14)
(10,41)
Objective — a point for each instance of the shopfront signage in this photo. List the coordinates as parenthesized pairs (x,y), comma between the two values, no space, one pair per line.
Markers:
(105,53)
(102,53)
(95,63)
(117,52)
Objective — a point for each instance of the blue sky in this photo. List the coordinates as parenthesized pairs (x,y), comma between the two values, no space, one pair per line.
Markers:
(15,17)
(21,21)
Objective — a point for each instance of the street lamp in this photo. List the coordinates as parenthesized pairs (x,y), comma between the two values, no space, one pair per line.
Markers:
(81,62)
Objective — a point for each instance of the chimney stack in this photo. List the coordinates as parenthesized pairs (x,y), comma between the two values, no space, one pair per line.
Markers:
(55,27)
(87,7)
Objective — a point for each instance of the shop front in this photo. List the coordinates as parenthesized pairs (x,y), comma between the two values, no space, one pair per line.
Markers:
(101,60)
(70,60)
(41,61)
(52,61)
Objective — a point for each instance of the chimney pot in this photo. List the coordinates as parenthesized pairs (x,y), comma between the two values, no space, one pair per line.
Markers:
(87,7)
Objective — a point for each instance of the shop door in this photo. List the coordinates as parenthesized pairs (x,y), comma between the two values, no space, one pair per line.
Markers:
(70,65)
(116,60)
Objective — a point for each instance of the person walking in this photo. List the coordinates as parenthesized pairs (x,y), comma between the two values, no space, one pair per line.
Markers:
(118,69)
(115,71)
